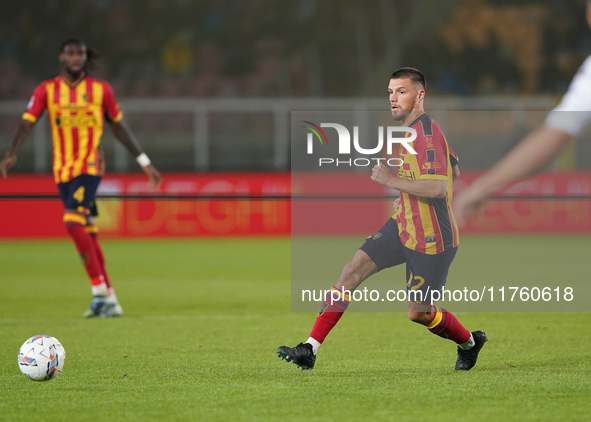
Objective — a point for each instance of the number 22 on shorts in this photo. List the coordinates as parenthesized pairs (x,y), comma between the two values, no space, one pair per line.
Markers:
(420,281)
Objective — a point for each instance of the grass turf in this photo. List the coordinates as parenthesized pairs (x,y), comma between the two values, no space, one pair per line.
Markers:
(203,320)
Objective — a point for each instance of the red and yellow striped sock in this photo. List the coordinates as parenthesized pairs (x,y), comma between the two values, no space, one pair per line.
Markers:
(335,304)
(75,223)
(92,230)
(446,325)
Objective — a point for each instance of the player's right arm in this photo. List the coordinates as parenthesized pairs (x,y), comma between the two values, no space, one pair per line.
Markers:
(35,108)
(536,149)
(432,159)
(22,132)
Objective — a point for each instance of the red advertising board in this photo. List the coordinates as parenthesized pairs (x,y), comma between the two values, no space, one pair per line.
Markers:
(337,203)
(157,217)
(35,218)
(559,211)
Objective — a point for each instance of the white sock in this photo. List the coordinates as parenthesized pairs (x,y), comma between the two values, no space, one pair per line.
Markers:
(314,343)
(112,296)
(468,344)
(100,290)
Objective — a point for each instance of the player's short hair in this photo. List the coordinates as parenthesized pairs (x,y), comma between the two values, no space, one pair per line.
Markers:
(74,40)
(91,54)
(411,73)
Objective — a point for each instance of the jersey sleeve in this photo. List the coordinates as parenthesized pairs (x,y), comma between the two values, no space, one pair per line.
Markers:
(574,111)
(453,157)
(110,105)
(432,156)
(36,104)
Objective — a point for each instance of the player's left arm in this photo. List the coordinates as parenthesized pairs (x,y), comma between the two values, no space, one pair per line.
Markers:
(125,136)
(453,160)
(455,172)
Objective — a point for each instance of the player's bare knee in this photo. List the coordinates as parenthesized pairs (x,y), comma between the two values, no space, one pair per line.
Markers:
(418,317)
(413,316)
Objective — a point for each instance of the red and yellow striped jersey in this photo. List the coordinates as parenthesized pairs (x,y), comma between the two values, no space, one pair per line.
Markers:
(427,225)
(76,117)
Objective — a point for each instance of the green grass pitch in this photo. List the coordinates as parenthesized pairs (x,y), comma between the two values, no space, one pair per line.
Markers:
(203,320)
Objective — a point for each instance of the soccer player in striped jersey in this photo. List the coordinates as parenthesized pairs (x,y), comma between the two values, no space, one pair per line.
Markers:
(78,106)
(422,232)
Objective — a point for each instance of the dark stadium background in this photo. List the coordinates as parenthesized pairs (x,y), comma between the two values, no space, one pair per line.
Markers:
(209,285)
(165,59)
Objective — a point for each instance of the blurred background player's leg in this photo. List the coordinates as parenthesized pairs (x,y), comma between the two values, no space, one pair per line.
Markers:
(75,223)
(113,307)
(78,198)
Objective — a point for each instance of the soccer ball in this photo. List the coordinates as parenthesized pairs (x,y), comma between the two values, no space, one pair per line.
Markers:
(41,358)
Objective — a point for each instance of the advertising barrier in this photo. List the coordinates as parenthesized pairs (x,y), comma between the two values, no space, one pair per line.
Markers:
(200,212)
(259,204)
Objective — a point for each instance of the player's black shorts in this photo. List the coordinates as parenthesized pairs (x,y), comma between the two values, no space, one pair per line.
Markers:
(78,194)
(423,272)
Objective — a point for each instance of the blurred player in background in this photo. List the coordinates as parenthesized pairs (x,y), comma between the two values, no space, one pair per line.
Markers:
(537,148)
(78,106)
(422,232)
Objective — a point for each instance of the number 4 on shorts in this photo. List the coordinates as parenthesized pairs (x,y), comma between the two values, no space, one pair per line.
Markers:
(79,194)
